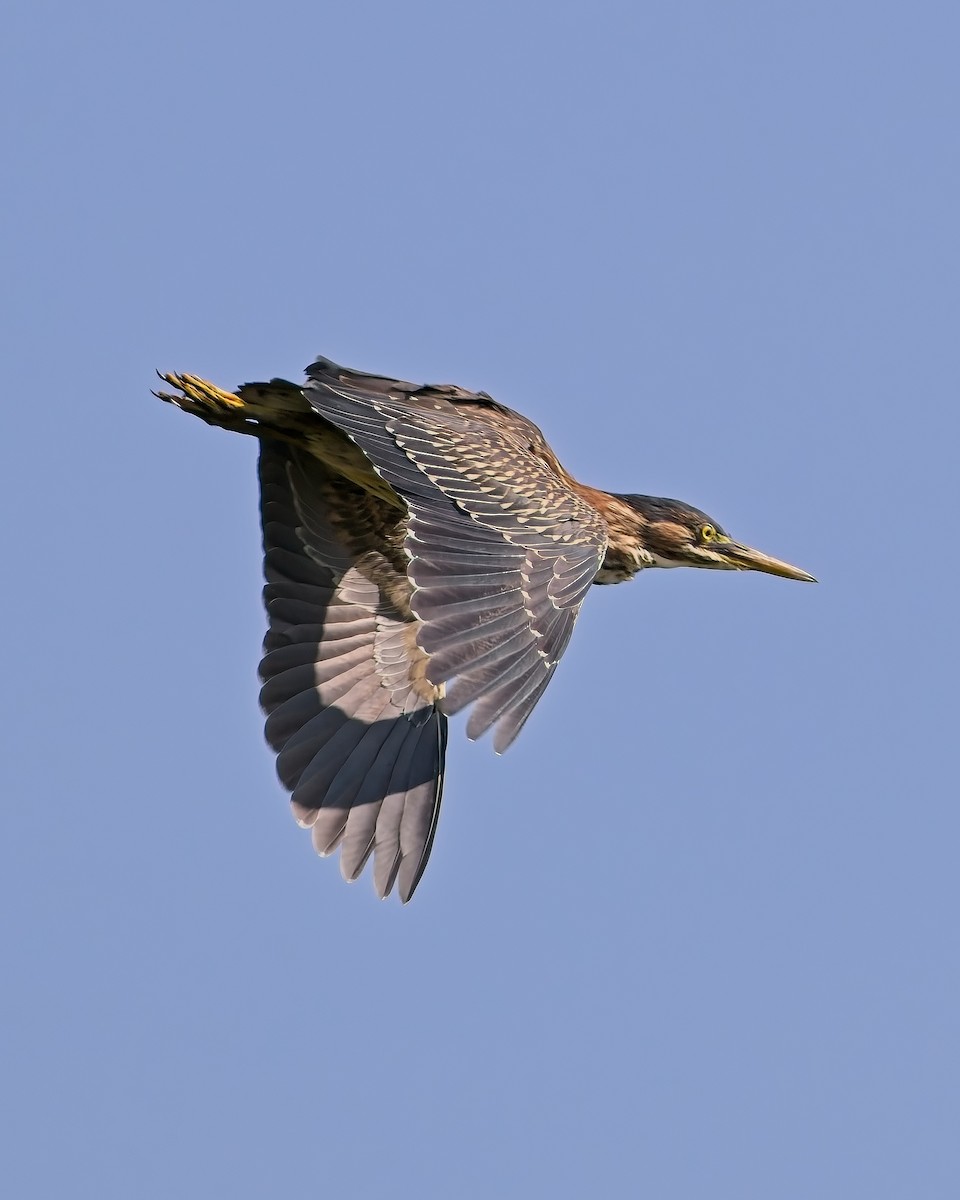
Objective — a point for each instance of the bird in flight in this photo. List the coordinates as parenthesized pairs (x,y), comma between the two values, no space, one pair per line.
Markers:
(424,550)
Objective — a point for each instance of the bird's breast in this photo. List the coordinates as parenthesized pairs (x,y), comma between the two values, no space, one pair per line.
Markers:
(622,563)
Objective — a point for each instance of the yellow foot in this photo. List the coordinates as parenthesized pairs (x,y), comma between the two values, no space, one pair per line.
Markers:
(199,396)
(277,408)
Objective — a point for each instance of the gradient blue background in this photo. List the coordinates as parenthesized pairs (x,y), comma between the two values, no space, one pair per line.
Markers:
(695,935)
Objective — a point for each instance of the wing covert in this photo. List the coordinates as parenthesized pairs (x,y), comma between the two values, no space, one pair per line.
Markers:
(501,548)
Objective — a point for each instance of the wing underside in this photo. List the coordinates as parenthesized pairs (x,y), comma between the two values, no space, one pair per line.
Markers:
(359,741)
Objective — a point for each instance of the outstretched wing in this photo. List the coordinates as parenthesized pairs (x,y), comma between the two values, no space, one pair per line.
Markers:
(502,550)
(359,739)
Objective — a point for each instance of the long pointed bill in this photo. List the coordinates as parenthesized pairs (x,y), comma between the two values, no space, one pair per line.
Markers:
(753,560)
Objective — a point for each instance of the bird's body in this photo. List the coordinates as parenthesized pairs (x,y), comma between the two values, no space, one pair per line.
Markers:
(424,550)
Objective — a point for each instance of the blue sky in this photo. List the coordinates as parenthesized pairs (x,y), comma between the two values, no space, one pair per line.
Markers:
(696,933)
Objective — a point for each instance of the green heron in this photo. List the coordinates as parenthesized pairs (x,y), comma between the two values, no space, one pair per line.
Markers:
(423,550)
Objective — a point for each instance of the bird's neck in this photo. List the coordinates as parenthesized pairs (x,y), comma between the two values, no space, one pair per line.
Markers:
(625,553)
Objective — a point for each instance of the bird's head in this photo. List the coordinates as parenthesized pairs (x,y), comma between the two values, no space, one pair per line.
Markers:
(675,534)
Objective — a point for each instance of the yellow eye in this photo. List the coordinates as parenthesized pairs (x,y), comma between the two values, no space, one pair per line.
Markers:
(707,533)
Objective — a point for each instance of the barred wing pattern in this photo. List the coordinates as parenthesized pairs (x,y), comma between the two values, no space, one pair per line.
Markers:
(501,549)
(359,739)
